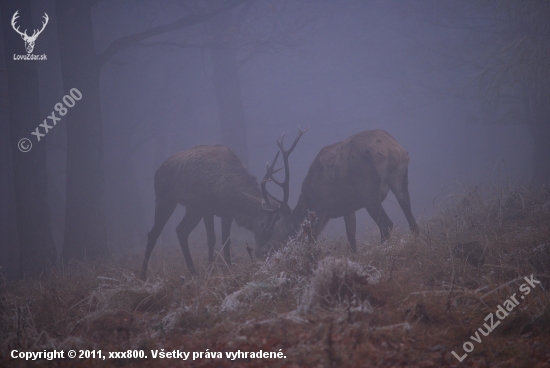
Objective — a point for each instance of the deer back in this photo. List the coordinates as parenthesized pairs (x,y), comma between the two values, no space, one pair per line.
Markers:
(346,173)
(210,178)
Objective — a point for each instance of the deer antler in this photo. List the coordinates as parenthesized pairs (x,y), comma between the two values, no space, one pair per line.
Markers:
(13,19)
(36,33)
(269,176)
(286,154)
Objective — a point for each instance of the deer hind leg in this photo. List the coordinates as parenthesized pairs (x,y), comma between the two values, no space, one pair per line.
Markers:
(226,240)
(351,226)
(189,222)
(210,236)
(399,184)
(163,210)
(376,211)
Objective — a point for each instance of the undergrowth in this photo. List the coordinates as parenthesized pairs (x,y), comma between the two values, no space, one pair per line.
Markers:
(409,302)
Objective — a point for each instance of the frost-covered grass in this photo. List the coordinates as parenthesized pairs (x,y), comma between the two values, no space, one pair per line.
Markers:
(409,302)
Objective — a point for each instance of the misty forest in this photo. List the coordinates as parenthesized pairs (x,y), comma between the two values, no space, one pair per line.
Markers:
(287,183)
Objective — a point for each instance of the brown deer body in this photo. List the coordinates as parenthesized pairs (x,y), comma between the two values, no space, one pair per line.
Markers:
(209,181)
(349,175)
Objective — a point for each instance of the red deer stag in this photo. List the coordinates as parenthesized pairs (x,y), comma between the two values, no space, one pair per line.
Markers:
(346,176)
(209,181)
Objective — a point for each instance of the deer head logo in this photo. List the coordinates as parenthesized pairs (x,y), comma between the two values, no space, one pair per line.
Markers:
(29,40)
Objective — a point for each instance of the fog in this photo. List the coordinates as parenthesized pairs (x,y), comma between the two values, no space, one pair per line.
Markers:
(378,65)
(411,68)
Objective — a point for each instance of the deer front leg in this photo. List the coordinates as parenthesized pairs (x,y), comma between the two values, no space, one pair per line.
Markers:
(376,211)
(163,211)
(399,184)
(351,226)
(226,240)
(189,222)
(210,236)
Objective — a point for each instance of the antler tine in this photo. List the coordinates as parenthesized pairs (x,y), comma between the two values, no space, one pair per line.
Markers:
(267,177)
(13,25)
(252,198)
(270,173)
(289,151)
(46,19)
(14,18)
(265,193)
(270,195)
(286,153)
(36,32)
(270,168)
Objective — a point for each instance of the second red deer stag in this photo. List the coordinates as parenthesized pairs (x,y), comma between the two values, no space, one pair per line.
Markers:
(210,181)
(346,176)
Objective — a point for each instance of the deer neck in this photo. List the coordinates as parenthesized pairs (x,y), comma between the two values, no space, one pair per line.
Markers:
(298,214)
(248,212)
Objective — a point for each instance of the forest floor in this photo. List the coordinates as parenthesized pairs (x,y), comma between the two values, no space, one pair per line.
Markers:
(474,282)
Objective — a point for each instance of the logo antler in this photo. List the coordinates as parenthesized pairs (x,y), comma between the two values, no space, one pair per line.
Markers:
(29,40)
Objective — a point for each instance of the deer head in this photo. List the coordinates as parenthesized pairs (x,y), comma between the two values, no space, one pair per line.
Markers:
(29,40)
(283,209)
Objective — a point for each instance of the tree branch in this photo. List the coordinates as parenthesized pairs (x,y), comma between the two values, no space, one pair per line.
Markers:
(188,21)
(183,45)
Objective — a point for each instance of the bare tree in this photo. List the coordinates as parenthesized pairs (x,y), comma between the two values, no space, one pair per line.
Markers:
(225,78)
(85,230)
(518,64)
(233,38)
(36,246)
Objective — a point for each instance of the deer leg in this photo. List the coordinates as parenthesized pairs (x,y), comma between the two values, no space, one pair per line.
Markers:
(210,236)
(189,222)
(399,185)
(350,222)
(320,225)
(226,240)
(376,211)
(163,211)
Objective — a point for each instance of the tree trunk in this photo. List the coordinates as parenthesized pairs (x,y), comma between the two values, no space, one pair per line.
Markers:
(537,111)
(85,224)
(51,90)
(125,207)
(9,254)
(225,77)
(36,245)
(541,154)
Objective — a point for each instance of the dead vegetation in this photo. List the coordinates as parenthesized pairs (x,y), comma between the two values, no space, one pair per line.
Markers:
(409,302)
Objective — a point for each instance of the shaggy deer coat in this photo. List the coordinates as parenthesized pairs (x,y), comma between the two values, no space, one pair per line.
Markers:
(349,175)
(209,181)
